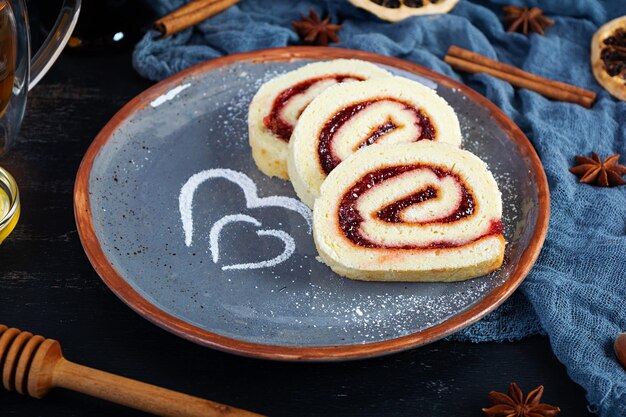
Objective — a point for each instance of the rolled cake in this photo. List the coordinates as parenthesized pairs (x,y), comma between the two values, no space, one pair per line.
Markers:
(348,117)
(275,108)
(422,211)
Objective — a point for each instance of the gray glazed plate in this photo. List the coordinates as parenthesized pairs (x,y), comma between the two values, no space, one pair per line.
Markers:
(180,224)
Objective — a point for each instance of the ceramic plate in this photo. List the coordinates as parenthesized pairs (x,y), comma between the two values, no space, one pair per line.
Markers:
(181,225)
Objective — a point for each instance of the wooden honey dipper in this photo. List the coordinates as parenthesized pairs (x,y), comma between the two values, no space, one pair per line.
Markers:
(34,365)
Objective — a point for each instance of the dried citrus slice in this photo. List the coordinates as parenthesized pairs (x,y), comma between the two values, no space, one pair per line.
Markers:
(608,57)
(396,10)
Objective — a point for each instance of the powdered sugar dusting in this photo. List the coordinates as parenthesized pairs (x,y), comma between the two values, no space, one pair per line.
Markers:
(380,316)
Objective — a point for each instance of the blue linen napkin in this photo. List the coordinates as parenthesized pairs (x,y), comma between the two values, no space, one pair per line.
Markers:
(576,293)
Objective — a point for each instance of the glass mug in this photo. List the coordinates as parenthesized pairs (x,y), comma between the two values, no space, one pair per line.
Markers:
(18,74)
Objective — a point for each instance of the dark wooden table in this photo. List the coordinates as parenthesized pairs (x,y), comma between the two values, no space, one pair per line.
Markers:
(47,286)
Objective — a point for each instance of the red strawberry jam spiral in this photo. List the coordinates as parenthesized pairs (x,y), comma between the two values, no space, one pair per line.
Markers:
(275,121)
(419,128)
(464,206)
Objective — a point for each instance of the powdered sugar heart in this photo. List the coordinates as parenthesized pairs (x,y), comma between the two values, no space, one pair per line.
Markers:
(185,199)
(249,188)
(214,235)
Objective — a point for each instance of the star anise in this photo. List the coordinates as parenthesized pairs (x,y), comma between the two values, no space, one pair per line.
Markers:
(594,171)
(514,405)
(313,30)
(524,20)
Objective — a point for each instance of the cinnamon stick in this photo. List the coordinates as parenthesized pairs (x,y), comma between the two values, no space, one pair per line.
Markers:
(191,14)
(468,61)
(483,60)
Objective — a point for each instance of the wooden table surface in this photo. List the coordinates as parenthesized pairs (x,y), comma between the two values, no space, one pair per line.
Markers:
(47,286)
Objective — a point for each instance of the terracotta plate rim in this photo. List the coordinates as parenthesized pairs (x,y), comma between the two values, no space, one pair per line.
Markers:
(97,257)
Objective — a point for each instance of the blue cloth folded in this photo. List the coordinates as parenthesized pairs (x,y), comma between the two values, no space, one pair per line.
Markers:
(576,293)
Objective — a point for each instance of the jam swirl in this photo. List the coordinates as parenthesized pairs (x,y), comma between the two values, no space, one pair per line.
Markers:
(274,121)
(327,157)
(350,219)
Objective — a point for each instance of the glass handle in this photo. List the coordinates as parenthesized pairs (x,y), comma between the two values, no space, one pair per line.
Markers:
(58,37)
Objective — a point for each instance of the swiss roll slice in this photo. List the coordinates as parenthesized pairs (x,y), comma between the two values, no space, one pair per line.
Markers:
(424,211)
